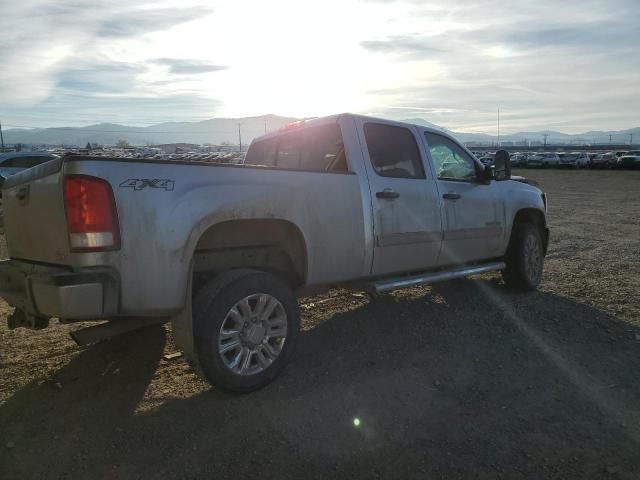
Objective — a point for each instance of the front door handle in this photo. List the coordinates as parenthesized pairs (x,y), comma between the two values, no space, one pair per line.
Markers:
(387,193)
(451,196)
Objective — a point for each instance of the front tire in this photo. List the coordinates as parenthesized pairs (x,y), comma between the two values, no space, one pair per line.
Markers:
(525,258)
(245,325)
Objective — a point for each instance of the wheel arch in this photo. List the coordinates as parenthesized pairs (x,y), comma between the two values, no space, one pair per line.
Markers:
(272,245)
(531,216)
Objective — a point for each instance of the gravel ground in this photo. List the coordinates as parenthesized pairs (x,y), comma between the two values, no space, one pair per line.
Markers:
(458,380)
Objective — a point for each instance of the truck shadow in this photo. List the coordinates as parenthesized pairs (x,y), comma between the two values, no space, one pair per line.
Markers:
(462,379)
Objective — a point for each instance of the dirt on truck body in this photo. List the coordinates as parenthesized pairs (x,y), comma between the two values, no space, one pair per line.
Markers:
(222,251)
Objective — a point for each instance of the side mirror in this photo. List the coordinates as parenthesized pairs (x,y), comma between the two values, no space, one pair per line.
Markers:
(486,175)
(502,166)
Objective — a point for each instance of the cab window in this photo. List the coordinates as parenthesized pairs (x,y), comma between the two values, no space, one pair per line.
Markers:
(393,151)
(311,148)
(262,152)
(450,161)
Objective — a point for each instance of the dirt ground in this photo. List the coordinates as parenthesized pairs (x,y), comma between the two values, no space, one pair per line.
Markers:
(459,380)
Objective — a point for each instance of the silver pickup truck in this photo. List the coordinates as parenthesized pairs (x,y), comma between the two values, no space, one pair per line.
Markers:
(223,250)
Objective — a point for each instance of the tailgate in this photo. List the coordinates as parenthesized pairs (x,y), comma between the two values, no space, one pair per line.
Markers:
(34,216)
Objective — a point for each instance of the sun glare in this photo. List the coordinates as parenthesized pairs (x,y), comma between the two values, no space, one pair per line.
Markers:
(313,66)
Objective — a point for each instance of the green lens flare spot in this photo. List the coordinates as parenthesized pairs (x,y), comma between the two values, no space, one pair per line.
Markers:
(356,422)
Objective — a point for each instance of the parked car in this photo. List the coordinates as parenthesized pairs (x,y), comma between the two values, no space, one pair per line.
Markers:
(519,160)
(15,162)
(222,250)
(629,161)
(574,159)
(604,160)
(592,155)
(543,160)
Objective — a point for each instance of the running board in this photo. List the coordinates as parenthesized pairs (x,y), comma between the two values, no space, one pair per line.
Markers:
(427,278)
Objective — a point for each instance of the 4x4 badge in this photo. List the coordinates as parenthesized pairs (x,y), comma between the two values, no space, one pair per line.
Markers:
(140,183)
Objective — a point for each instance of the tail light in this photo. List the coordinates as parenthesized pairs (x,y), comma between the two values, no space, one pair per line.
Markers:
(92,219)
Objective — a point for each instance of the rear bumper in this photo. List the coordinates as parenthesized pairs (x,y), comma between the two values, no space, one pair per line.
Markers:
(46,291)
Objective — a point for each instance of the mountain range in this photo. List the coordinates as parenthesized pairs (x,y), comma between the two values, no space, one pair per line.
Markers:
(553,137)
(214,131)
(225,130)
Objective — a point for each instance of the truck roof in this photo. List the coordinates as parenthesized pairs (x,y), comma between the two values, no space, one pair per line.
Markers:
(309,122)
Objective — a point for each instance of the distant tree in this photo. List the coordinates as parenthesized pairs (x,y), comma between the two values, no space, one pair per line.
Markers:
(88,147)
(18,147)
(122,144)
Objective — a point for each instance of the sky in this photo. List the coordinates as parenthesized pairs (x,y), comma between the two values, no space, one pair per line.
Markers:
(571,66)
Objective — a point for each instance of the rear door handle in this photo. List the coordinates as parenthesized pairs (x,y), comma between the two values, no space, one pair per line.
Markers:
(451,196)
(387,193)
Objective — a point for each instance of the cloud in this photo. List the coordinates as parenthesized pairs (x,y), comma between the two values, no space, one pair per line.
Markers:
(179,66)
(598,35)
(402,45)
(574,70)
(78,49)
(113,77)
(136,22)
(544,63)
(82,108)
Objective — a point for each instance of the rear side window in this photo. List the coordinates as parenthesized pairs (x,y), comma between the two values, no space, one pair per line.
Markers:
(262,152)
(312,148)
(393,151)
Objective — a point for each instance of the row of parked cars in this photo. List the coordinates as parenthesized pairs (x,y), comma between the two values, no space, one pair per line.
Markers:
(619,159)
(14,162)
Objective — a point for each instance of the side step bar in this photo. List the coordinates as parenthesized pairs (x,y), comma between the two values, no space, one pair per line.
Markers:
(433,277)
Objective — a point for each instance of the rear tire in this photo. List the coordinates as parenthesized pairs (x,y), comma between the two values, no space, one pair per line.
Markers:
(245,325)
(525,258)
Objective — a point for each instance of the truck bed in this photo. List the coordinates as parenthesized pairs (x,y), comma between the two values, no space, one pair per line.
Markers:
(164,207)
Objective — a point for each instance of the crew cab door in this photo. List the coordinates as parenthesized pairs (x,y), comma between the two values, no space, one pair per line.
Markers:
(472,212)
(406,214)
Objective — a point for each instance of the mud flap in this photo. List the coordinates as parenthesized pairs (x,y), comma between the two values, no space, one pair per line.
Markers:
(182,328)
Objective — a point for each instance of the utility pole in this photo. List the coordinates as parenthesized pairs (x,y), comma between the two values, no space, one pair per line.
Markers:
(498,127)
(631,139)
(239,137)
(1,139)
(609,139)
(545,135)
